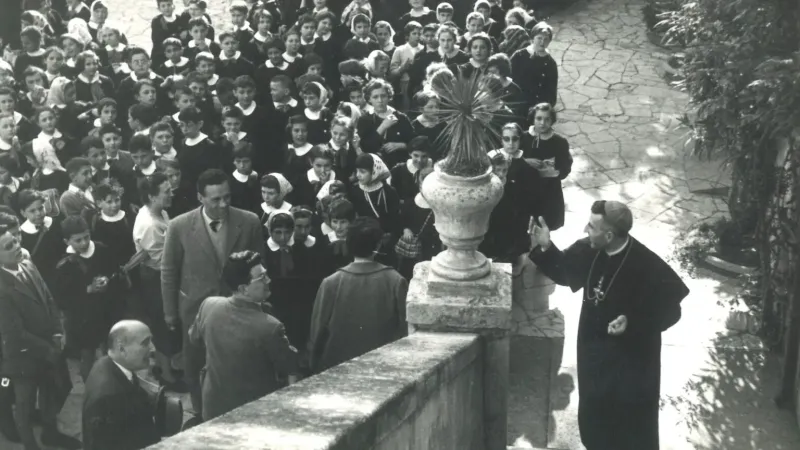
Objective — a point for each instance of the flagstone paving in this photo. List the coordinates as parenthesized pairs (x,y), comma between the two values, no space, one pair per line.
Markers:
(622,121)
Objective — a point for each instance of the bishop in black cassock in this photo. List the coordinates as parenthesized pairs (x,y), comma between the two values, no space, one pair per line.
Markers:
(630,296)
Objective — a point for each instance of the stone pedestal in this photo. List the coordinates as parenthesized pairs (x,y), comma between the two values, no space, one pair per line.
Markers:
(484,308)
(536,347)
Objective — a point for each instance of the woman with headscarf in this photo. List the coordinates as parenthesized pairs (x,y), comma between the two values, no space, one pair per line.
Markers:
(515,37)
(49,175)
(373,196)
(274,189)
(62,98)
(79,30)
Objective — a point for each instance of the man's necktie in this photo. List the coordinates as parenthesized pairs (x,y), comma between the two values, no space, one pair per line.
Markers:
(135,380)
(214,225)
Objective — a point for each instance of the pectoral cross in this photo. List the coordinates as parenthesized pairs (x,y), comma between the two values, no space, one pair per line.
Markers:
(599,295)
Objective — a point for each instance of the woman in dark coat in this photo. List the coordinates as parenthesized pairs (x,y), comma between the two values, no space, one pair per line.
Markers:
(548,152)
(535,70)
(384,130)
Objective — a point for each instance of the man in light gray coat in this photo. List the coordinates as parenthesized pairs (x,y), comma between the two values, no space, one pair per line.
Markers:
(195,252)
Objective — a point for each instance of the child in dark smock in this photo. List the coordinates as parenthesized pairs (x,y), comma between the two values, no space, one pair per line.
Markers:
(85,290)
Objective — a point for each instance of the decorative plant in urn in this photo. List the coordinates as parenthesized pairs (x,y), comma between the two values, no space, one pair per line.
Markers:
(462,190)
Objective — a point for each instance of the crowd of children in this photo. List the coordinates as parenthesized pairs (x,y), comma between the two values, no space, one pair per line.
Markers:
(320,111)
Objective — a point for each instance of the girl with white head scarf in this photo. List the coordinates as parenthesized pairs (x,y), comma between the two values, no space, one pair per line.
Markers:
(78,29)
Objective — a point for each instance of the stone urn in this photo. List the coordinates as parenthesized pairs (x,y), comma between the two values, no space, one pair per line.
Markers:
(461,207)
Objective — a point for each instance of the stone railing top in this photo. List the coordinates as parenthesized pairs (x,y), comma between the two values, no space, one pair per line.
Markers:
(461,307)
(347,407)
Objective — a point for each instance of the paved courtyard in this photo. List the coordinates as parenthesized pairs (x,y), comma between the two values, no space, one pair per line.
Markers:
(621,120)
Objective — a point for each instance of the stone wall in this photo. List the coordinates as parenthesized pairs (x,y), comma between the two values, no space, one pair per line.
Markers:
(421,392)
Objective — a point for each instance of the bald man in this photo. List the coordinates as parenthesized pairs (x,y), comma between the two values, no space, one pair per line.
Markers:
(117,411)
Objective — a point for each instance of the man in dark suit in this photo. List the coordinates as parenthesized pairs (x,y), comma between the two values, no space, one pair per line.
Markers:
(117,412)
(33,340)
(195,251)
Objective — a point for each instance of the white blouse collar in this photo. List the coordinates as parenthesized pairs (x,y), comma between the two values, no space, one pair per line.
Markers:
(272,245)
(183,61)
(302,150)
(312,115)
(313,178)
(44,136)
(115,218)
(150,76)
(289,58)
(191,142)
(283,66)
(87,254)
(193,44)
(235,56)
(30,228)
(149,170)
(119,48)
(249,110)
(95,78)
(291,103)
(285,206)
(242,178)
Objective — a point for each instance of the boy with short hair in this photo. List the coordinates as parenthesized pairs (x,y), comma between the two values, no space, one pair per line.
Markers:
(232,63)
(139,62)
(424,57)
(84,284)
(200,42)
(274,65)
(205,67)
(253,116)
(199,151)
(174,63)
(103,172)
(112,226)
(77,200)
(163,26)
(243,32)
(112,142)
(245,187)
(163,138)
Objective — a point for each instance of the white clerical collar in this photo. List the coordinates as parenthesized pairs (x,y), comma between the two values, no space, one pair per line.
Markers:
(56,135)
(87,254)
(274,245)
(37,53)
(171,155)
(249,110)
(242,178)
(288,57)
(150,76)
(291,103)
(313,178)
(95,78)
(283,66)
(619,250)
(285,206)
(223,57)
(182,62)
(119,48)
(312,115)
(191,142)
(302,150)
(30,228)
(193,44)
(128,374)
(149,170)
(115,218)
(213,80)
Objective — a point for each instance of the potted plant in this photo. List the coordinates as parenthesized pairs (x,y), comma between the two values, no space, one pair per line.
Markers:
(462,190)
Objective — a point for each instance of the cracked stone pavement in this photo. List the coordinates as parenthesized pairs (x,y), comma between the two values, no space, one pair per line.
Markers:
(621,120)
